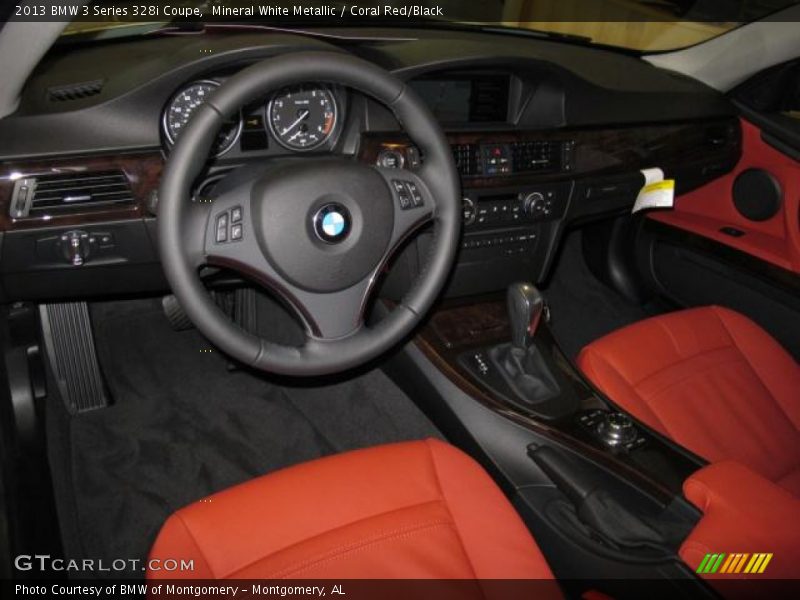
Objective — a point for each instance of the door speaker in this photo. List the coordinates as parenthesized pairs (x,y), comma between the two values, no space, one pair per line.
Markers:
(757,195)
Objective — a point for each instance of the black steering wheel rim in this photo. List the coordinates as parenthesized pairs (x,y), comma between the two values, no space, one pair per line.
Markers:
(176,223)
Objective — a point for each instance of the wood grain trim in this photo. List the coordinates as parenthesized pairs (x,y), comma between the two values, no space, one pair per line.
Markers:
(142,169)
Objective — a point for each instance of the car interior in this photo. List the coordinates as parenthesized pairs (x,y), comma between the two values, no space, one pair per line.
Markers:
(329,301)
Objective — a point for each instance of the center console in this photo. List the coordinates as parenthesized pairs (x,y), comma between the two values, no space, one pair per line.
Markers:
(600,491)
(462,336)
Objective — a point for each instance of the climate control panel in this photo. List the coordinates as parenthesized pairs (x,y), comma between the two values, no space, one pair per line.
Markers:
(515,208)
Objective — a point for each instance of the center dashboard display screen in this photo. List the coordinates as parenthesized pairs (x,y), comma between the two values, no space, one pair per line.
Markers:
(465,99)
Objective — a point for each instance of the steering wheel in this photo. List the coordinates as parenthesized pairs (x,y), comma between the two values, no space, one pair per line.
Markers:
(316,231)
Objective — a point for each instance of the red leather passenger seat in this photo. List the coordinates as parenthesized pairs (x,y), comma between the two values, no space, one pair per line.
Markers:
(710,379)
(411,510)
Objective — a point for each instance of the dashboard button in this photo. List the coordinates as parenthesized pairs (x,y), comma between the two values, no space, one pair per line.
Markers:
(236,214)
(468,208)
(391,159)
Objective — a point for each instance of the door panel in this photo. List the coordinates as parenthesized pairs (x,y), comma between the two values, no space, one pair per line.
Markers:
(692,270)
(686,255)
(709,211)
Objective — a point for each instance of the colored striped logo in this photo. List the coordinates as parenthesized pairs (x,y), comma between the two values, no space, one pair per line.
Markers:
(737,562)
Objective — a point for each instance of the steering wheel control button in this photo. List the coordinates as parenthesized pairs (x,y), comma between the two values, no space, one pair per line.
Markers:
(399,188)
(222,228)
(408,194)
(402,195)
(229,226)
(416,195)
(332,223)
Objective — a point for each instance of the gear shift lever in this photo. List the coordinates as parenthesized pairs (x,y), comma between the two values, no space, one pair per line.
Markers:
(525,370)
(520,363)
(525,308)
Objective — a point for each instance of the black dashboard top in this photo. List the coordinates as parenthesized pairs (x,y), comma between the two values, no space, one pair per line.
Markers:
(109,97)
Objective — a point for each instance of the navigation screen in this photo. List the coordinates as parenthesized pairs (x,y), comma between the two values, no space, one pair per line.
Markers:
(467,99)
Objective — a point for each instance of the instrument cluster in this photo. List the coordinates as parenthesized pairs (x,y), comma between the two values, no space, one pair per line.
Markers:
(300,118)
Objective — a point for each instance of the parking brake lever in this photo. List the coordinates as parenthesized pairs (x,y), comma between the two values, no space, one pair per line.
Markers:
(595,506)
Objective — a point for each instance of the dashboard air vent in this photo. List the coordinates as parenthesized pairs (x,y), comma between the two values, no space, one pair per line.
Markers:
(66,192)
(75,91)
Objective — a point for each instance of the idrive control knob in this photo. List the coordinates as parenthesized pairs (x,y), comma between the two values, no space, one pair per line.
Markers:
(617,429)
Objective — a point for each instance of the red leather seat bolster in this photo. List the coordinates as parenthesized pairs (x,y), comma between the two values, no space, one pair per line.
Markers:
(743,513)
(710,379)
(410,510)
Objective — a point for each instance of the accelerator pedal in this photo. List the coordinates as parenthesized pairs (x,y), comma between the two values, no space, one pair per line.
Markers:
(69,343)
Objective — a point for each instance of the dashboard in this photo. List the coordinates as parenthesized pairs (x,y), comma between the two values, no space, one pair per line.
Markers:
(545,136)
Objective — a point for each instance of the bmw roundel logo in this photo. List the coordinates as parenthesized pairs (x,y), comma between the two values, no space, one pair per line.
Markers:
(332,223)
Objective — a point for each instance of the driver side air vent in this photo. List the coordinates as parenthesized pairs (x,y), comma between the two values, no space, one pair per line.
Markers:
(75,91)
(67,192)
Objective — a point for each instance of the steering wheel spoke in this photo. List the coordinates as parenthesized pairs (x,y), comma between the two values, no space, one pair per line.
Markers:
(333,315)
(230,240)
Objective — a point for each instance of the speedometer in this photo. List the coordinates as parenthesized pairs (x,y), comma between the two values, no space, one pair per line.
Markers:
(302,117)
(185,103)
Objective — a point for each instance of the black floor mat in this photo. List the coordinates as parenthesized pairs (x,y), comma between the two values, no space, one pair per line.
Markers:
(182,426)
(583,308)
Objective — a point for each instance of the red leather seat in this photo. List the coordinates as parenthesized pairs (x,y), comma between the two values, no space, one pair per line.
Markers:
(410,510)
(742,513)
(713,381)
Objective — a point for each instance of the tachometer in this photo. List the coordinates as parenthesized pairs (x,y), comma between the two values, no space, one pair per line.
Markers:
(182,106)
(302,117)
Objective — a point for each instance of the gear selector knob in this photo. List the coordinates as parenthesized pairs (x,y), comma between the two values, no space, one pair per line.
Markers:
(525,307)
